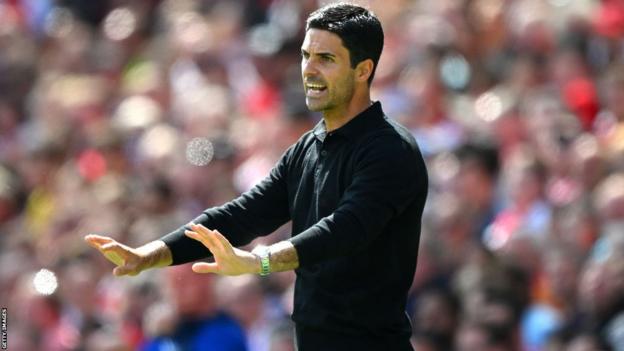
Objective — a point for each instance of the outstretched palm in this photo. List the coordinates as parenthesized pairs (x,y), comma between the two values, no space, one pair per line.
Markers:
(228,259)
(126,258)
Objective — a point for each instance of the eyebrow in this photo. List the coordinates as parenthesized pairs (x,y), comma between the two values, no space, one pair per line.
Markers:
(321,54)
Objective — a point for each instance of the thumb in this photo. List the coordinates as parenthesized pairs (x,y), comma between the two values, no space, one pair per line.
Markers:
(203,267)
(96,241)
(114,253)
(123,270)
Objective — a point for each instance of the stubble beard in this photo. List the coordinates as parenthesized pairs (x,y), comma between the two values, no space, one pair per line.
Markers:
(333,97)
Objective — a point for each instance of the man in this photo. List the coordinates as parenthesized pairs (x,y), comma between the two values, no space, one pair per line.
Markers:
(354,188)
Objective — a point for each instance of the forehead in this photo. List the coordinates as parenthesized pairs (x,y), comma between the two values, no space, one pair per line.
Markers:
(318,40)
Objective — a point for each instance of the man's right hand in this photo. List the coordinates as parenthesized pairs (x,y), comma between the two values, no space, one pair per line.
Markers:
(131,261)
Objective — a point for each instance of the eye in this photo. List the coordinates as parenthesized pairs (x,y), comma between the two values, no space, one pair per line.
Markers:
(305,55)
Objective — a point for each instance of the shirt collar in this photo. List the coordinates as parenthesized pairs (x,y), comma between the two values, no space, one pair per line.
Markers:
(364,121)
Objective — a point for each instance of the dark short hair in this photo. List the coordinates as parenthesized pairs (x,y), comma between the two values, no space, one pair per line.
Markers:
(358,28)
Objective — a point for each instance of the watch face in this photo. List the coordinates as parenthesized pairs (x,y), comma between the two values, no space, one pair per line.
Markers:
(264,253)
(261,250)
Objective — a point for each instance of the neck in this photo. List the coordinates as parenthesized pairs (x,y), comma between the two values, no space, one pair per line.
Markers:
(339,116)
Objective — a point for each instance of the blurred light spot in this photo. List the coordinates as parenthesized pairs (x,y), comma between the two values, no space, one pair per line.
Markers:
(615,139)
(192,32)
(142,77)
(137,112)
(601,251)
(108,189)
(207,100)
(446,209)
(175,7)
(559,3)
(609,193)
(495,237)
(455,71)
(45,282)
(488,10)
(586,146)
(489,106)
(286,15)
(521,14)
(5,183)
(159,141)
(431,30)
(8,19)
(445,167)
(91,165)
(562,192)
(199,151)
(76,91)
(265,39)
(120,23)
(59,22)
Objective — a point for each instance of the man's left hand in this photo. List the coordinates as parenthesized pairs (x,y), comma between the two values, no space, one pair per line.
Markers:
(228,259)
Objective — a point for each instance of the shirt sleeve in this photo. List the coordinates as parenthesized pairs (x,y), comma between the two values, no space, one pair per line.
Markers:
(389,174)
(257,212)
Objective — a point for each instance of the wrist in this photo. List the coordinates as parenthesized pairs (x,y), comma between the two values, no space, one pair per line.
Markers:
(154,254)
(263,259)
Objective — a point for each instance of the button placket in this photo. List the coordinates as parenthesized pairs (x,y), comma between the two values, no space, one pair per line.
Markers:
(323,153)
(317,169)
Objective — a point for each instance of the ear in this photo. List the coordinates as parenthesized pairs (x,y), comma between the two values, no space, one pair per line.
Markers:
(363,70)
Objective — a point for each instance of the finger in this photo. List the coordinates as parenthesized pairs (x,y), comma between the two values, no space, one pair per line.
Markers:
(225,243)
(204,239)
(115,253)
(123,270)
(200,226)
(203,267)
(97,240)
(195,236)
(117,246)
(115,258)
(212,236)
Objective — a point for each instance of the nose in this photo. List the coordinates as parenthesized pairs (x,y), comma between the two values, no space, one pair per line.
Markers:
(308,68)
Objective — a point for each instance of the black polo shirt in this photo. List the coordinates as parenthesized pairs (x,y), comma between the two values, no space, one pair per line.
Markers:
(355,197)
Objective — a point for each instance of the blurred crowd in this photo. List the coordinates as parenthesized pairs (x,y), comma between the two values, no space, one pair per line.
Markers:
(127,118)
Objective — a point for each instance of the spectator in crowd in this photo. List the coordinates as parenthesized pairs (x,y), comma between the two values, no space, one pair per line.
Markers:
(243,297)
(194,321)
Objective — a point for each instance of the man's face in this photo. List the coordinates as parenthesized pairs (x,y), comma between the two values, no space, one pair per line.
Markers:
(328,79)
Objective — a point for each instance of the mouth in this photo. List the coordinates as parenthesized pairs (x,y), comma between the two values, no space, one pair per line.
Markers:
(314,89)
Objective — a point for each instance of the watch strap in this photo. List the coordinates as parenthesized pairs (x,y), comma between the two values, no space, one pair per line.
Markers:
(264,253)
